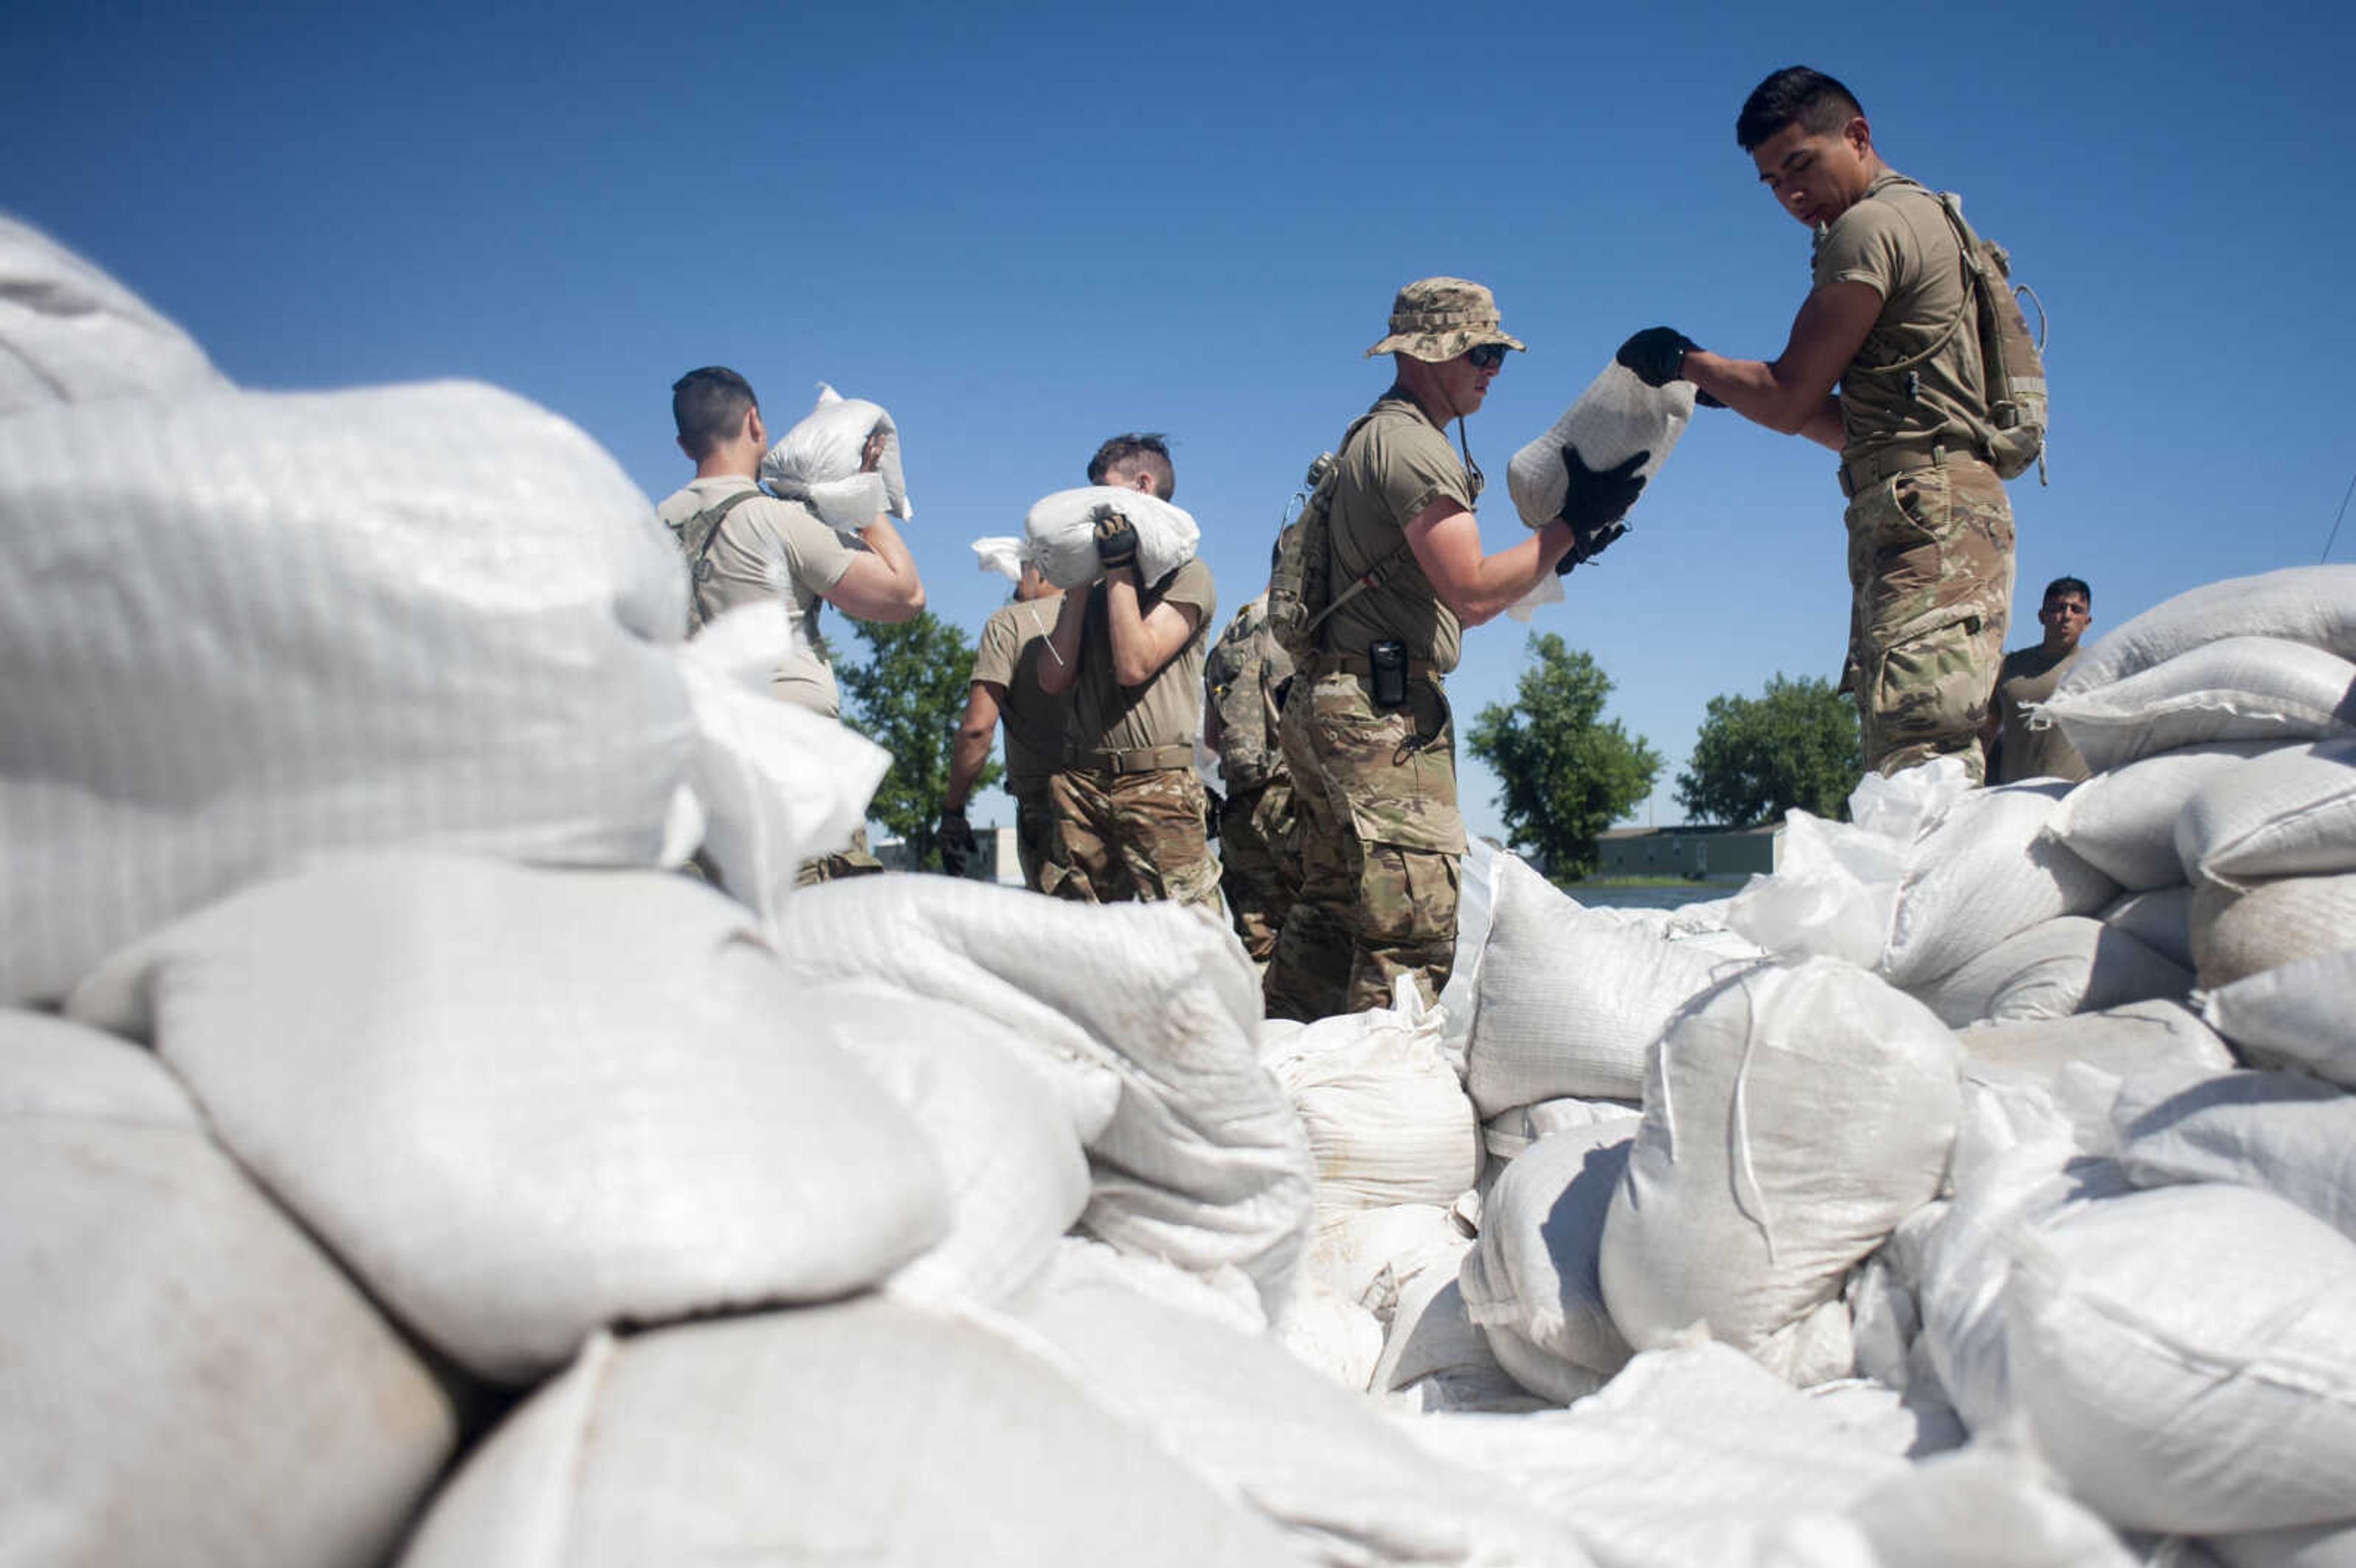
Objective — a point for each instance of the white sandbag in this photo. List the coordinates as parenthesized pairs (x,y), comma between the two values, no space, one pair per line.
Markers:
(867,1431)
(1793,1117)
(1548,1377)
(431,613)
(522,1103)
(2291,812)
(2306,1546)
(2312,605)
(71,334)
(775,781)
(1475,880)
(184,1377)
(2239,689)
(2061,967)
(1436,1359)
(1533,1271)
(1571,1004)
(2205,1386)
(2281,1133)
(2239,932)
(1152,1009)
(1982,871)
(2123,822)
(1835,891)
(1509,1133)
(1369,1255)
(1347,1487)
(1977,1509)
(2160,918)
(1614,419)
(1016,1176)
(1387,1119)
(1059,534)
(2296,1015)
(818,462)
(1222,1296)
(1329,1333)
(1691,1456)
(1000,553)
(2144,1039)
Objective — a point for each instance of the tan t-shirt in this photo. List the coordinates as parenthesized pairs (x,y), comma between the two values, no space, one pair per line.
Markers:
(1397,465)
(1108,717)
(1896,241)
(2029,675)
(1014,641)
(752,535)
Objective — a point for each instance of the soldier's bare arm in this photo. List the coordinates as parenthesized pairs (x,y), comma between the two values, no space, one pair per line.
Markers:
(1143,643)
(1446,540)
(970,747)
(881,582)
(1794,392)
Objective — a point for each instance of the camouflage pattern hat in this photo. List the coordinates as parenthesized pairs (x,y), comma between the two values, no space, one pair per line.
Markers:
(1438,319)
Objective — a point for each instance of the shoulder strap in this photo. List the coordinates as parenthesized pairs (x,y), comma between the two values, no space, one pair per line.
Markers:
(1373,576)
(696,534)
(1968,244)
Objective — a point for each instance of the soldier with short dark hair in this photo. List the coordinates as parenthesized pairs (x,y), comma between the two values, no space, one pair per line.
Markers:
(1890,323)
(1128,809)
(1366,731)
(747,546)
(2027,677)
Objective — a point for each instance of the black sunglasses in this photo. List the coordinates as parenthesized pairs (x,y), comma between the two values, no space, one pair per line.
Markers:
(1485,355)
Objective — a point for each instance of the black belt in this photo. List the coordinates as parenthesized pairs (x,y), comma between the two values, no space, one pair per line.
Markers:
(1326,663)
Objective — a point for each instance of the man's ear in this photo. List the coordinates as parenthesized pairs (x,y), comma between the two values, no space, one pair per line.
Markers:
(1857,134)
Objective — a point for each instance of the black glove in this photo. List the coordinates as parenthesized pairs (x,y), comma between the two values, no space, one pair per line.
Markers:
(1116,542)
(956,839)
(1657,354)
(1703,399)
(1595,504)
(1213,805)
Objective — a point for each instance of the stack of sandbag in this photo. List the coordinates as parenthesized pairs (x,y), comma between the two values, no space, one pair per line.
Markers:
(1569,1002)
(818,461)
(250,626)
(1059,534)
(185,1375)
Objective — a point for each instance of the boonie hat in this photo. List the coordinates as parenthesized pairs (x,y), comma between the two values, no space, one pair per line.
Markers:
(1438,319)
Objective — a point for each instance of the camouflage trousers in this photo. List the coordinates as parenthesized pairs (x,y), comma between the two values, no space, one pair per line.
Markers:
(853,861)
(1034,833)
(1259,866)
(1119,837)
(1375,798)
(1929,562)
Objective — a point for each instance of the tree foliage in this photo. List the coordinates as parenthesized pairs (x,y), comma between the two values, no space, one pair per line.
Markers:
(907,698)
(1568,775)
(1758,758)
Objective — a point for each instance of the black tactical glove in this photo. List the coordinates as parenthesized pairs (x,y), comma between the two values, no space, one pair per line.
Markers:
(1213,805)
(956,839)
(1595,504)
(1116,542)
(1703,399)
(1657,354)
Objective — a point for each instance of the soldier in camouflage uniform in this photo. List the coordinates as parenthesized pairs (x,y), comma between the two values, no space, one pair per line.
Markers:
(1890,321)
(1005,688)
(1129,811)
(1259,868)
(1373,760)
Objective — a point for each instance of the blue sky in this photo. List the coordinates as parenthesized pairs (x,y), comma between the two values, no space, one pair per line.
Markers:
(1022,229)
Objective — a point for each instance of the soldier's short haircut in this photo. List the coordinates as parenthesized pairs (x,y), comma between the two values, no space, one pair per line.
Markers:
(2070,585)
(1817,102)
(1149,450)
(708,406)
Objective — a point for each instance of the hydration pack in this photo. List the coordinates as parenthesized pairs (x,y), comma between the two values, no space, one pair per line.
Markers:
(1300,592)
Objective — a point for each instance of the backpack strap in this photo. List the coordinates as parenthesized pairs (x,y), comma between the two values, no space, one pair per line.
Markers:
(1968,244)
(1373,576)
(696,533)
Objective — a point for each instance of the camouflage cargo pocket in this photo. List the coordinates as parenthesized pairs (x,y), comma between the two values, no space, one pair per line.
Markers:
(1396,769)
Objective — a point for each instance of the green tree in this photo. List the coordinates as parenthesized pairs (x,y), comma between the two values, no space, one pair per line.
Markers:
(1758,758)
(1568,774)
(907,698)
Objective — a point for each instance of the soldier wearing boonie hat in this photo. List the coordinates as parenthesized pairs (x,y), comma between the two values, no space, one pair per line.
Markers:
(1366,729)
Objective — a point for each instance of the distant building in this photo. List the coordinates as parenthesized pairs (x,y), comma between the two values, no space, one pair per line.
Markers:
(1726,854)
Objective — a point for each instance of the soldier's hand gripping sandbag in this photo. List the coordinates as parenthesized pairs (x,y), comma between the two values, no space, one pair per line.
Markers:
(956,839)
(1116,540)
(1595,504)
(1657,356)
